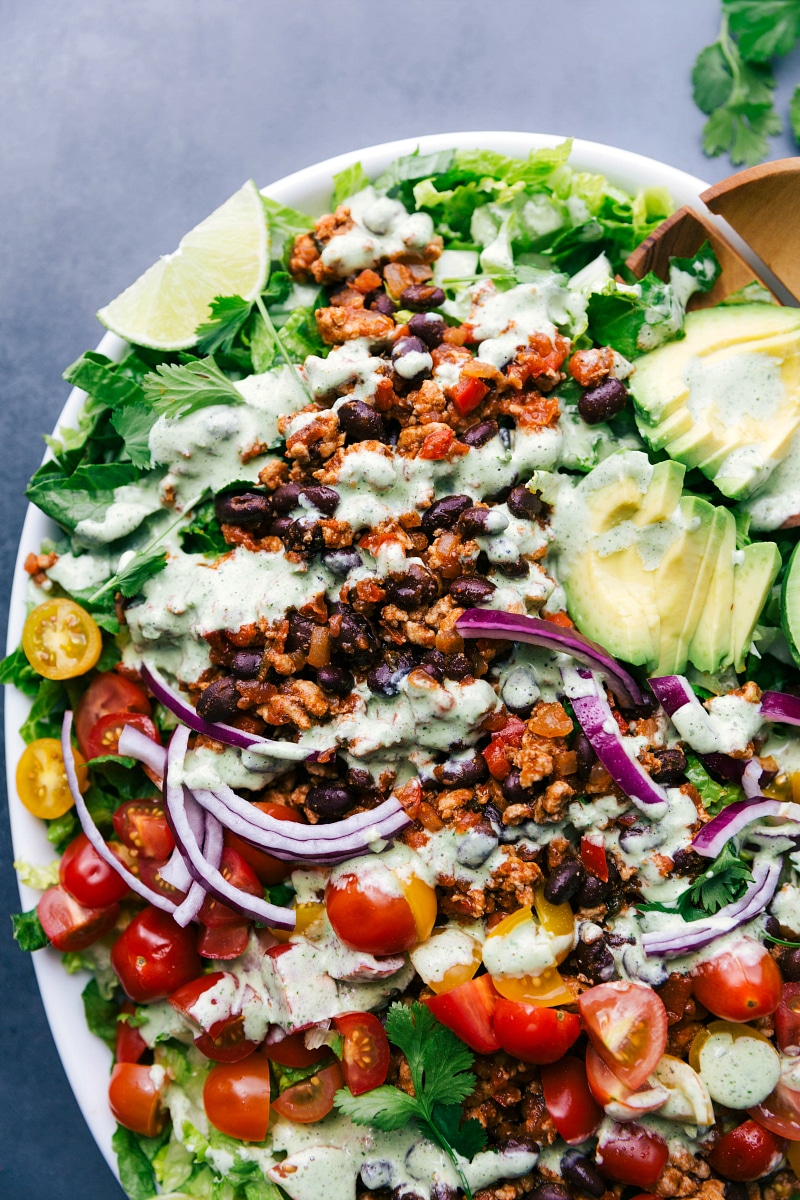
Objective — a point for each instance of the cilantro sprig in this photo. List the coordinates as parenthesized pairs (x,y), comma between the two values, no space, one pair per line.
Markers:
(439,1064)
(723,882)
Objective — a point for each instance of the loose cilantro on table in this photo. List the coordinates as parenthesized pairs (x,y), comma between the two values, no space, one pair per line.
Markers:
(723,882)
(439,1064)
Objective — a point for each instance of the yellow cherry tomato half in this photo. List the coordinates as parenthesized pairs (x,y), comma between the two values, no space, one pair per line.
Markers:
(422,901)
(733,1028)
(546,989)
(307,915)
(61,640)
(42,779)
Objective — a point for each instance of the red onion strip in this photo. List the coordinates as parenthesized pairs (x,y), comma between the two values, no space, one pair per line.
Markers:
(672,692)
(201,869)
(192,902)
(93,833)
(780,706)
(134,744)
(711,839)
(176,873)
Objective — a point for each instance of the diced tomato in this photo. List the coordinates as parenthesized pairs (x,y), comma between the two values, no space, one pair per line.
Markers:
(292,1051)
(105,733)
(270,870)
(141,825)
(787,1019)
(627,1024)
(135,1100)
(70,925)
(153,956)
(129,1045)
(88,877)
(469,1010)
(108,692)
(214,914)
(312,1099)
(632,1154)
(741,984)
(437,443)
(593,856)
(223,942)
(534,1034)
(676,994)
(569,1101)
(747,1152)
(558,618)
(236,1098)
(365,1054)
(495,755)
(467,394)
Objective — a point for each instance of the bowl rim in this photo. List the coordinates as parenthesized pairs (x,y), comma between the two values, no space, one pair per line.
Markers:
(85,1059)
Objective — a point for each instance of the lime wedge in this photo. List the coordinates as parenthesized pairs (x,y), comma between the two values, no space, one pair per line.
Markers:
(227,254)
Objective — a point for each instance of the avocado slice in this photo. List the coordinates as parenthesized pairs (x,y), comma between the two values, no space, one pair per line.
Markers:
(790,605)
(683,578)
(753,578)
(710,646)
(726,398)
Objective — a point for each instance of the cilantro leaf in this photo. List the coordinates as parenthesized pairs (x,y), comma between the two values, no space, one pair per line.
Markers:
(466,1137)
(28,932)
(715,796)
(143,566)
(764,28)
(385,1107)
(228,315)
(133,423)
(349,181)
(176,391)
(100,1013)
(203,535)
(723,882)
(794,114)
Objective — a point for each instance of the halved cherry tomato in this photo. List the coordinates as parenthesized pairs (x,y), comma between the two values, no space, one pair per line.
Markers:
(617,1099)
(593,857)
(469,1011)
(105,733)
(292,1051)
(149,871)
(747,1152)
(135,1100)
(224,942)
(780,1112)
(216,915)
(365,1055)
(467,394)
(741,984)
(270,870)
(42,779)
(154,956)
(88,877)
(534,1034)
(222,1038)
(380,919)
(129,1045)
(70,925)
(107,693)
(627,1024)
(185,998)
(228,1043)
(142,826)
(312,1099)
(787,1019)
(236,1098)
(61,640)
(495,754)
(569,1102)
(632,1154)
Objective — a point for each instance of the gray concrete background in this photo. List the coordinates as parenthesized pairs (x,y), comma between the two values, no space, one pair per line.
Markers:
(124,124)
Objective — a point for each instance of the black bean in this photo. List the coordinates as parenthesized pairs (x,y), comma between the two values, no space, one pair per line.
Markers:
(360,779)
(384,679)
(443,514)
(688,862)
(430,328)
(219,701)
(594,960)
(790,965)
(433,668)
(524,503)
(286,497)
(382,303)
(439,1191)
(326,499)
(408,345)
(416,587)
(736,1191)
(603,401)
(475,846)
(470,592)
(336,680)
(480,433)
(772,927)
(592,892)
(582,1173)
(280,526)
(421,296)
(647,708)
(563,881)
(671,766)
(513,790)
(356,639)
(246,664)
(457,667)
(474,522)
(464,772)
(299,635)
(549,1191)
(584,754)
(306,537)
(393,431)
(359,422)
(341,562)
(329,799)
(513,570)
(245,509)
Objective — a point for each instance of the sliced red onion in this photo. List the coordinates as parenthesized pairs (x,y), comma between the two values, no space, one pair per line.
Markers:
(134,744)
(780,706)
(192,902)
(672,692)
(711,839)
(696,934)
(597,721)
(494,623)
(302,834)
(176,873)
(183,710)
(751,779)
(205,874)
(93,833)
(733,769)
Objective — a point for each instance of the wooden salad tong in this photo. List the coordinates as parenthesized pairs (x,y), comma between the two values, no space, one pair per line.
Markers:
(762,205)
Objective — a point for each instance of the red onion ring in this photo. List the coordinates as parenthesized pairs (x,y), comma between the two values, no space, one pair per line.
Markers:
(135,744)
(710,840)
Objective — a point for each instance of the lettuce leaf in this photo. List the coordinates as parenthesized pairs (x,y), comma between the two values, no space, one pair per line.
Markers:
(348,182)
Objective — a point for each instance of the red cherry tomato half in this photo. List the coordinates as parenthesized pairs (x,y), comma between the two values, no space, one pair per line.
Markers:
(236,1098)
(632,1155)
(365,1055)
(740,984)
(149,871)
(534,1034)
(222,1038)
(780,1113)
(270,870)
(185,998)
(469,1010)
(292,1051)
(88,877)
(134,1099)
(593,857)
(154,956)
(129,1045)
(70,925)
(368,918)
(216,915)
(627,1025)
(746,1152)
(107,693)
(569,1102)
(787,1019)
(105,734)
(225,942)
(141,825)
(228,1043)
(312,1099)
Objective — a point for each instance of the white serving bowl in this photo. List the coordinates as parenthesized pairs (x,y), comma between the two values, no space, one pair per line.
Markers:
(85,1058)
